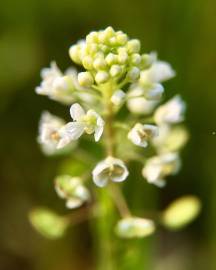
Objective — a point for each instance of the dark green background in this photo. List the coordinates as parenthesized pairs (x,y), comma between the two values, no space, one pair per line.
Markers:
(32,33)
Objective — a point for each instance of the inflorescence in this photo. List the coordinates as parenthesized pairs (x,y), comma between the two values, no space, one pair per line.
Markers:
(116,76)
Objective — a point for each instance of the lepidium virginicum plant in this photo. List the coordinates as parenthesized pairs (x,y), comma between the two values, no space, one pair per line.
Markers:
(116,78)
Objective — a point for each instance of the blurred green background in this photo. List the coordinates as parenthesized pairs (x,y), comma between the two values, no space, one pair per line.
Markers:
(32,33)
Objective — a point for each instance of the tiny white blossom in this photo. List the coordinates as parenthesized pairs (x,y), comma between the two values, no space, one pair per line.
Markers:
(170,139)
(171,112)
(150,91)
(158,72)
(118,97)
(158,167)
(89,122)
(135,227)
(56,85)
(71,189)
(137,104)
(141,134)
(110,169)
(51,134)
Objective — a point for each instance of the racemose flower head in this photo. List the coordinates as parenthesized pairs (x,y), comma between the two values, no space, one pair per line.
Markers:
(116,96)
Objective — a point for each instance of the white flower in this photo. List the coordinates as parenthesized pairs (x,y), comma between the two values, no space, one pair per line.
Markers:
(118,97)
(137,104)
(170,139)
(158,72)
(149,91)
(51,132)
(110,169)
(56,85)
(71,189)
(141,134)
(158,167)
(89,122)
(135,227)
(171,112)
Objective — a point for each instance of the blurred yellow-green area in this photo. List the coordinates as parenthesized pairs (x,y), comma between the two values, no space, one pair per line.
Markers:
(34,32)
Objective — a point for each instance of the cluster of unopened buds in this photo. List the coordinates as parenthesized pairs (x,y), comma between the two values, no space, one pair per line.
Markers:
(117,100)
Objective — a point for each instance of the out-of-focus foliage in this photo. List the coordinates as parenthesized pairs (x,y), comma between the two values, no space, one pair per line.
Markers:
(32,33)
(48,223)
(181,212)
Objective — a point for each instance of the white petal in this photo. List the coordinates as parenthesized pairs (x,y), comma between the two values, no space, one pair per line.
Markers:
(63,142)
(98,133)
(160,183)
(73,203)
(99,181)
(76,112)
(73,130)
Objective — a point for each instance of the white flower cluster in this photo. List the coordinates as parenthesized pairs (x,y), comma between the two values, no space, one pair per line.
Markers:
(116,74)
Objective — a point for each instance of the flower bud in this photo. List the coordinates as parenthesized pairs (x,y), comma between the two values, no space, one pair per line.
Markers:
(122,57)
(111,59)
(75,54)
(113,41)
(99,63)
(148,59)
(118,97)
(133,46)
(85,79)
(92,48)
(115,70)
(121,38)
(101,77)
(109,32)
(136,59)
(92,37)
(133,74)
(87,62)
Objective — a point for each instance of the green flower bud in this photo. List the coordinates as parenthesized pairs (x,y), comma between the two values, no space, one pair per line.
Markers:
(113,41)
(109,32)
(74,53)
(121,38)
(136,59)
(92,37)
(122,57)
(181,212)
(87,62)
(133,46)
(92,48)
(103,37)
(99,63)
(148,59)
(104,48)
(111,59)
(48,223)
(85,79)
(101,77)
(115,70)
(134,227)
(133,74)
